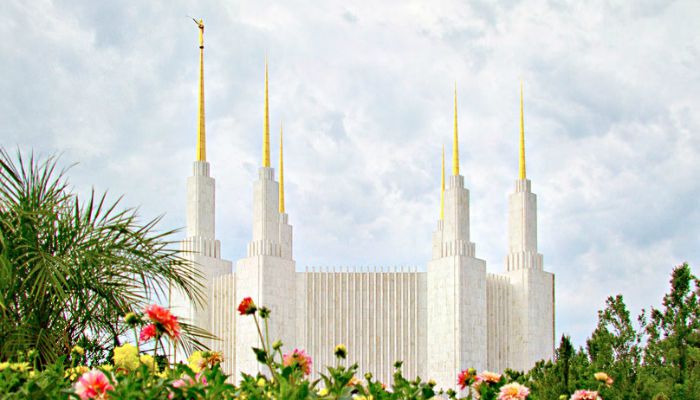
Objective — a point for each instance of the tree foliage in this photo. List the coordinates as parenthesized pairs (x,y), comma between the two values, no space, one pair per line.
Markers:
(659,358)
(70,269)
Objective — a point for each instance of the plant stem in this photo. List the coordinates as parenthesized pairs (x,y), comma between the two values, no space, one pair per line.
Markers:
(155,352)
(262,342)
(136,338)
(267,336)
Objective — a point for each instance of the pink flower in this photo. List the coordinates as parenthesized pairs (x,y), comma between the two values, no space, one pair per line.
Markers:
(93,385)
(300,358)
(179,383)
(164,320)
(201,378)
(513,391)
(585,395)
(148,332)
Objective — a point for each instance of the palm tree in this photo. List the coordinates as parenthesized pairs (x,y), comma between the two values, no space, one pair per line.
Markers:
(70,269)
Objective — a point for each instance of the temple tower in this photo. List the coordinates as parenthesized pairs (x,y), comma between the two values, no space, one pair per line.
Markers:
(200,244)
(532,324)
(456,285)
(267,273)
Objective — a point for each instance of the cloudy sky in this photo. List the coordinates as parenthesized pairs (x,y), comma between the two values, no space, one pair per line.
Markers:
(365,92)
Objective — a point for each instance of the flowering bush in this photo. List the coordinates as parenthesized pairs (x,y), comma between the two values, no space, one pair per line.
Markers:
(135,374)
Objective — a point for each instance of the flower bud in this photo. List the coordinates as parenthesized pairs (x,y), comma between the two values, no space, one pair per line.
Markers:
(341,351)
(132,319)
(264,312)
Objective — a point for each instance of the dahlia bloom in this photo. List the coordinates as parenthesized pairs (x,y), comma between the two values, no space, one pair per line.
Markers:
(164,320)
(196,361)
(463,379)
(149,361)
(491,377)
(300,358)
(93,385)
(126,357)
(603,377)
(247,307)
(585,395)
(148,332)
(513,391)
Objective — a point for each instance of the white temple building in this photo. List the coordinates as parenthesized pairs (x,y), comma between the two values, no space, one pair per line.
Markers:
(439,320)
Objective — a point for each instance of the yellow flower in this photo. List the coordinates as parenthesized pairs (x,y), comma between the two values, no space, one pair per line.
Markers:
(20,367)
(74,373)
(106,367)
(4,365)
(78,350)
(196,361)
(126,356)
(323,392)
(147,360)
(603,377)
(32,374)
(162,374)
(261,382)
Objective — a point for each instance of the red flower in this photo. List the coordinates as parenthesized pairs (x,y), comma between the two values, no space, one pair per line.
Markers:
(247,307)
(93,385)
(463,379)
(148,332)
(163,320)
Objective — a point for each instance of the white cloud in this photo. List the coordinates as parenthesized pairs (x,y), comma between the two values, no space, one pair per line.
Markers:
(364,90)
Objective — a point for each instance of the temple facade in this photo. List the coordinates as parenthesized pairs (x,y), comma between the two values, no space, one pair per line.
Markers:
(438,320)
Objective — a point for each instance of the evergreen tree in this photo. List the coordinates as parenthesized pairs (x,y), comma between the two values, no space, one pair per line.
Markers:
(614,348)
(569,371)
(672,354)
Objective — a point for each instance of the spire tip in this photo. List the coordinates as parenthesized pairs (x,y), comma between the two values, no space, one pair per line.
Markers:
(522,173)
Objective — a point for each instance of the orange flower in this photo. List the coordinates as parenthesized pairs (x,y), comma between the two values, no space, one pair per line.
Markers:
(300,358)
(490,377)
(247,307)
(163,320)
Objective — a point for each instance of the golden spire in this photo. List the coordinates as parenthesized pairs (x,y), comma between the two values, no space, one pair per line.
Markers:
(201,131)
(522,136)
(281,173)
(442,186)
(266,127)
(455,143)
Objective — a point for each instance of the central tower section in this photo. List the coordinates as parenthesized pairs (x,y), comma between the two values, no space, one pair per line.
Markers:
(456,286)
(267,273)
